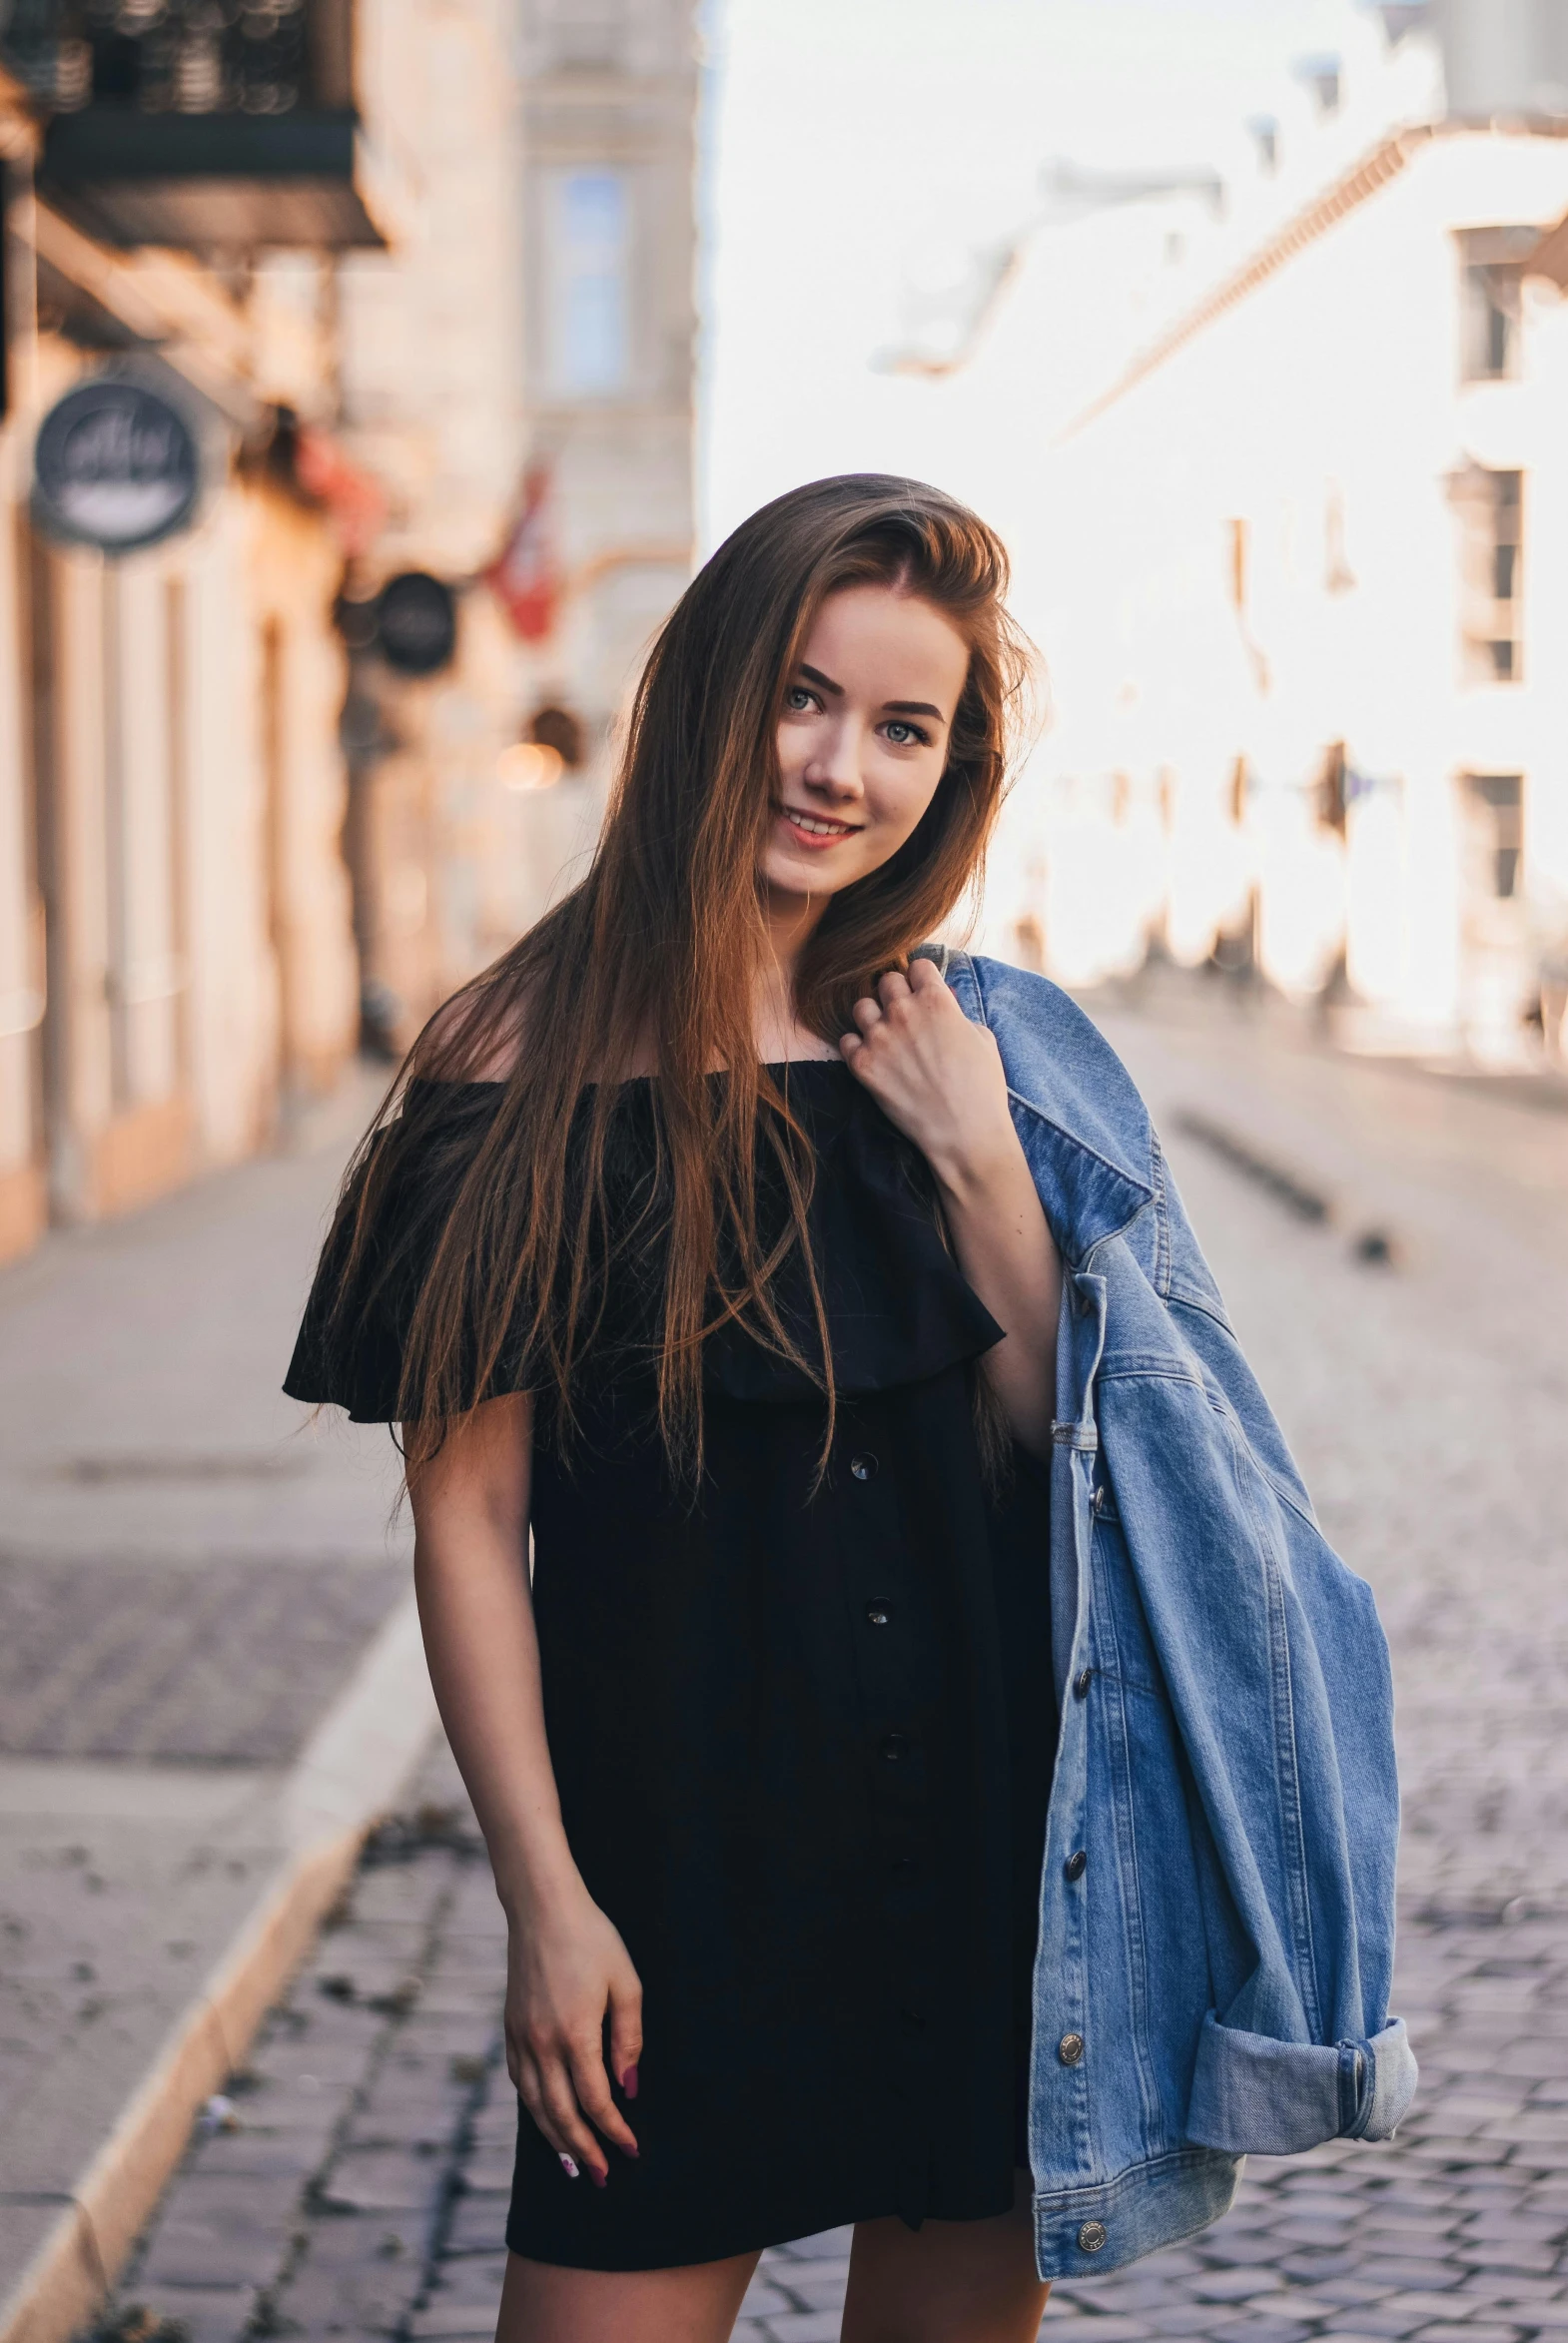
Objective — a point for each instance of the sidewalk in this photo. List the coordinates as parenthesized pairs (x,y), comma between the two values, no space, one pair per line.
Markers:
(188,1583)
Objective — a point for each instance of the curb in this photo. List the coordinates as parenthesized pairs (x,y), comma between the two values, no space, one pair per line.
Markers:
(349,1773)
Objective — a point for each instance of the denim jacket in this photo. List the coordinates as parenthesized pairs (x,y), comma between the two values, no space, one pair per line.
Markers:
(1216,1903)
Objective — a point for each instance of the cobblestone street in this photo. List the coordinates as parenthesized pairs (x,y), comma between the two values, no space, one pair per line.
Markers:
(1408,1315)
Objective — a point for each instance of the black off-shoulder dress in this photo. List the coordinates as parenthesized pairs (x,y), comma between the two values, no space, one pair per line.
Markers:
(803,1736)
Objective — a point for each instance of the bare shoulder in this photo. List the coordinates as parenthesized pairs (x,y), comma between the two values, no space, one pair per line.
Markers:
(477,1036)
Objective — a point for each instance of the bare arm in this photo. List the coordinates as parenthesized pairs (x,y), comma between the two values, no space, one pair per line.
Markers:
(940,1079)
(566,1964)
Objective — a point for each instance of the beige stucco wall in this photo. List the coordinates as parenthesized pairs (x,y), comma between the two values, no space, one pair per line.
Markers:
(429,360)
(293,568)
(201,971)
(21,970)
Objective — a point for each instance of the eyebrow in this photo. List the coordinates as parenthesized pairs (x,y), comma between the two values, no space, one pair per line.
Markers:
(892,707)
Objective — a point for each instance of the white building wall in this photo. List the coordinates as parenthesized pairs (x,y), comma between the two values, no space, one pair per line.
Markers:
(1546,591)
(1323,412)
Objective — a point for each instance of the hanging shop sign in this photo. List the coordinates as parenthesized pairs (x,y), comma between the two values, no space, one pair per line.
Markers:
(116,465)
(417,622)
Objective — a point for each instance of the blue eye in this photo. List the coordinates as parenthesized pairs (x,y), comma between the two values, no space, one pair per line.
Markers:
(904,735)
(797,699)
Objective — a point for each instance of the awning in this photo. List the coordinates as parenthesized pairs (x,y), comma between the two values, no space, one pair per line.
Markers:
(196,180)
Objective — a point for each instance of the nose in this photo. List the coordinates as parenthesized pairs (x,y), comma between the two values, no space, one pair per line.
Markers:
(834,764)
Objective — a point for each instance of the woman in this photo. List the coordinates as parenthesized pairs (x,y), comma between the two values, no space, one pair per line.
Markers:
(720,1242)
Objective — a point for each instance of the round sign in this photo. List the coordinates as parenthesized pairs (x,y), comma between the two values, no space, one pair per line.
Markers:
(115,465)
(416,623)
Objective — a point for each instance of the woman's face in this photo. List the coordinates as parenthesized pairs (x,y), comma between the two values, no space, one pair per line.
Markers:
(862,740)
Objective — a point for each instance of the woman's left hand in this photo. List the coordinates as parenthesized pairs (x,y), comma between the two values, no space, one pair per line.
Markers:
(940,1078)
(934,1072)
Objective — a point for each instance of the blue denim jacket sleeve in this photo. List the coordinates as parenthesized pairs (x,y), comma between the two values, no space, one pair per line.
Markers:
(1302,2049)
(1193,1573)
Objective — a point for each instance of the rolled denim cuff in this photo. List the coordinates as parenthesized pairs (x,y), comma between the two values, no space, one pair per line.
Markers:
(1394,2077)
(1254,2096)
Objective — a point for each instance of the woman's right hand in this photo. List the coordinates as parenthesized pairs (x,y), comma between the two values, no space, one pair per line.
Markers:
(565,1968)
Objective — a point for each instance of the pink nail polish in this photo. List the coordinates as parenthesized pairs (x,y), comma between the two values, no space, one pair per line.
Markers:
(599,2179)
(567,2166)
(628,2082)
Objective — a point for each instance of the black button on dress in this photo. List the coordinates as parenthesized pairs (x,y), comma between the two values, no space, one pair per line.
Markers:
(802,1730)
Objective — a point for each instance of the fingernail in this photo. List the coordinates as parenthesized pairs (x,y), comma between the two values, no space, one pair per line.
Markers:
(632,2151)
(568,2168)
(599,2179)
(628,2082)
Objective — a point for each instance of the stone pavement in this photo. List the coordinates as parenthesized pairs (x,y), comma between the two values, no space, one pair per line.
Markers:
(187,1578)
(1424,1394)
(363,2156)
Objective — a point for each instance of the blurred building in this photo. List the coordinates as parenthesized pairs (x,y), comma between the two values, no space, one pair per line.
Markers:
(431,406)
(1503,60)
(1315,715)
(270,780)
(477,792)
(173,908)
(610,268)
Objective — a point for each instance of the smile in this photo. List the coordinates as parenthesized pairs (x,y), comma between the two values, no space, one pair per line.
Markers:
(818,829)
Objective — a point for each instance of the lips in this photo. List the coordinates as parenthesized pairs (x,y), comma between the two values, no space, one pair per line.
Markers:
(815,831)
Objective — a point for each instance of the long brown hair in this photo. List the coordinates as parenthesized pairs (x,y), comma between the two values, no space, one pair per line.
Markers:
(653,959)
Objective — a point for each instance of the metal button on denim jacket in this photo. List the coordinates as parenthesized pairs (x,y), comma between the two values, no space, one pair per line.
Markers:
(1216,1900)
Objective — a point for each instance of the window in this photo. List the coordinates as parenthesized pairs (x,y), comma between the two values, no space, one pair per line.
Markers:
(589,231)
(1489,507)
(1492,260)
(1240,781)
(1236,563)
(1338,576)
(1325,78)
(1333,788)
(1494,818)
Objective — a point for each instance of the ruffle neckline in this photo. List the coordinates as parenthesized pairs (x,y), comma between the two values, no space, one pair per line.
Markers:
(899,1309)
(897,1306)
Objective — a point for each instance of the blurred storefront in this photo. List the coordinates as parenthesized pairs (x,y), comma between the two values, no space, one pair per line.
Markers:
(271,751)
(174,922)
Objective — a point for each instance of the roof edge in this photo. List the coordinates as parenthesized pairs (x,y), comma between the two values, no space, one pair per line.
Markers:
(1346,193)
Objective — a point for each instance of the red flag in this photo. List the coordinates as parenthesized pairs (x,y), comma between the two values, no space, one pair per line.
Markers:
(525,577)
(356,500)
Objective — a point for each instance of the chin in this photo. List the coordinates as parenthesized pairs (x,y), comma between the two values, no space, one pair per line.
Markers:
(800,875)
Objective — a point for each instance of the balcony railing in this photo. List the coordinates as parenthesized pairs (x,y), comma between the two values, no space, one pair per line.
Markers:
(201,123)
